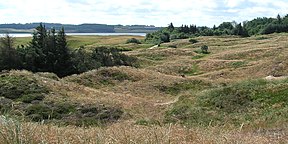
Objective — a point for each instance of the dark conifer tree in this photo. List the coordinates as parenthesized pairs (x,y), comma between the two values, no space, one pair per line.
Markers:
(8,54)
(62,54)
(171,27)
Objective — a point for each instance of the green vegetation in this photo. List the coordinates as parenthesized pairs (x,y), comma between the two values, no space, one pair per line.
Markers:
(183,92)
(199,56)
(190,71)
(73,114)
(48,52)
(193,41)
(133,40)
(245,29)
(102,77)
(204,49)
(24,96)
(238,64)
(189,85)
(21,88)
(246,102)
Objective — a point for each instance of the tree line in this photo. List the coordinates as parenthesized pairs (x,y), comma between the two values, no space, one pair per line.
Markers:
(48,52)
(245,29)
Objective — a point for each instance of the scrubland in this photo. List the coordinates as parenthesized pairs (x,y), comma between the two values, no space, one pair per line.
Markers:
(176,95)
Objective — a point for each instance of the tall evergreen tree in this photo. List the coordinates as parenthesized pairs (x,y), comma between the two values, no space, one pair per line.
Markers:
(279,19)
(62,54)
(238,30)
(171,27)
(8,54)
(39,44)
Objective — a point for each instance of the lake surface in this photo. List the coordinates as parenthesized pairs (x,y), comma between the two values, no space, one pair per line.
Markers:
(78,34)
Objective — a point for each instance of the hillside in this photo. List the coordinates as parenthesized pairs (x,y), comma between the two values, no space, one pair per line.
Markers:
(236,93)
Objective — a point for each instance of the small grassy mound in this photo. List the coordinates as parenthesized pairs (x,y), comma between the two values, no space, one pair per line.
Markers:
(73,114)
(250,102)
(21,88)
(102,77)
(21,94)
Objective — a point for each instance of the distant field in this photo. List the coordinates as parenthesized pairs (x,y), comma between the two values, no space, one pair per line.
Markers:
(235,93)
(89,41)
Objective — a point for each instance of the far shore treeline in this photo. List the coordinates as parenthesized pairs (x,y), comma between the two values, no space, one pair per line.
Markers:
(81,28)
(245,29)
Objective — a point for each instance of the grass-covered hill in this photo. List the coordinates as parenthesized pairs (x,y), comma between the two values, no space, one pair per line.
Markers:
(235,93)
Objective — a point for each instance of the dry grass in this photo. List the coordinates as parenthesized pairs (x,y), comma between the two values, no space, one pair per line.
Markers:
(232,59)
(12,131)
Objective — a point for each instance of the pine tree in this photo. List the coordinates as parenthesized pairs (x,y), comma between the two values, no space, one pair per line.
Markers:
(171,27)
(279,19)
(62,54)
(8,54)
(39,44)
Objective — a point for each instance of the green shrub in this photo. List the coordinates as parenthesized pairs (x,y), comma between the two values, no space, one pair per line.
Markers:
(193,41)
(72,114)
(39,112)
(96,115)
(28,98)
(133,40)
(204,49)
(172,46)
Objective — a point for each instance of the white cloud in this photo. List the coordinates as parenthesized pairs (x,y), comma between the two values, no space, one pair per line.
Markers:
(233,3)
(159,13)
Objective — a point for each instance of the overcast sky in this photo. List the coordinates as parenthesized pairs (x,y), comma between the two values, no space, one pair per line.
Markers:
(146,12)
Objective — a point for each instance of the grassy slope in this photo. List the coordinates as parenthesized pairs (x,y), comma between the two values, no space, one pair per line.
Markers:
(90,41)
(177,84)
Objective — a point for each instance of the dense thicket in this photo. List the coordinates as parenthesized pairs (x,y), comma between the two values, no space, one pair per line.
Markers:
(48,52)
(245,29)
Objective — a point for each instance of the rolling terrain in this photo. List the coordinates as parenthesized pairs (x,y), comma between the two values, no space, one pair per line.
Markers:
(236,93)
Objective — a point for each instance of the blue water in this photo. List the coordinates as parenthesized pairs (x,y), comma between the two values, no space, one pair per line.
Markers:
(81,34)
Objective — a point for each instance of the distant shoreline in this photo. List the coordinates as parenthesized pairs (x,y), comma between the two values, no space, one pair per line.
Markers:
(79,34)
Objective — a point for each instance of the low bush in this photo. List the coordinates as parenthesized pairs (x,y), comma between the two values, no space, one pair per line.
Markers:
(133,40)
(193,41)
(172,46)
